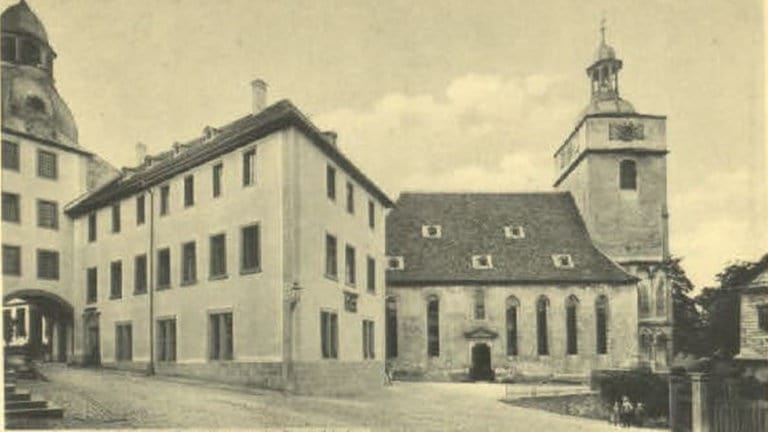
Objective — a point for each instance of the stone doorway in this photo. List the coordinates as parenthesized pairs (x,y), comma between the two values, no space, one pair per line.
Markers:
(481,363)
(92,350)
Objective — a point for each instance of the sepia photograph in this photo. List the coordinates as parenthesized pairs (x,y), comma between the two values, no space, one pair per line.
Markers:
(356,215)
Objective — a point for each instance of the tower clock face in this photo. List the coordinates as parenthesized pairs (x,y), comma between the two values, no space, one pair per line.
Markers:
(626,131)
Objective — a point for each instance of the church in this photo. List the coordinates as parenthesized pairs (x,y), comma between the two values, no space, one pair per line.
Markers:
(502,285)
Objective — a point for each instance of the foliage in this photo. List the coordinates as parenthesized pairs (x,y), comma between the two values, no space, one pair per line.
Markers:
(640,385)
(689,333)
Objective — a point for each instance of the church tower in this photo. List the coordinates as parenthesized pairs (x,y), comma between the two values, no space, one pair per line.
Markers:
(614,165)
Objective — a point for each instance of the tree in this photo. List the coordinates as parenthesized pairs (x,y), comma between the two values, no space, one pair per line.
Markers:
(688,333)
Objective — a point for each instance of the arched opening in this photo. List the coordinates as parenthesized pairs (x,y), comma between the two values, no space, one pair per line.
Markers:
(38,326)
(661,298)
(601,324)
(542,341)
(30,52)
(643,301)
(481,363)
(571,325)
(433,326)
(513,306)
(628,175)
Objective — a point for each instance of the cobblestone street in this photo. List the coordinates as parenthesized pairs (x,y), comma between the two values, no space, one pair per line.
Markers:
(106,399)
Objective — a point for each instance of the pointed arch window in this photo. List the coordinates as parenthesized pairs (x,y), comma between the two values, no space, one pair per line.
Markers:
(433,326)
(601,324)
(542,310)
(571,325)
(661,298)
(628,175)
(643,299)
(513,305)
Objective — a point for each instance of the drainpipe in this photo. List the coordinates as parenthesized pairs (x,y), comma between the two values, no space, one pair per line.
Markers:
(151,285)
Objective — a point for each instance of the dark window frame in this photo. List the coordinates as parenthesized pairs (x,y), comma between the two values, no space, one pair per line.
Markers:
(9,267)
(217,259)
(371,274)
(330,183)
(163,268)
(350,198)
(221,331)
(11,156)
(601,325)
(329,334)
(250,254)
(47,210)
(369,339)
(433,326)
(116,280)
(11,207)
(42,166)
(166,340)
(249,167)
(217,174)
(92,285)
(92,227)
(116,221)
(188,263)
(542,327)
(123,342)
(391,328)
(189,191)
(331,257)
(511,326)
(141,216)
(140,274)
(628,174)
(572,325)
(350,265)
(165,199)
(55,271)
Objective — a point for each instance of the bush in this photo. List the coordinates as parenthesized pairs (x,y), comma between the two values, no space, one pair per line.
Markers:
(640,385)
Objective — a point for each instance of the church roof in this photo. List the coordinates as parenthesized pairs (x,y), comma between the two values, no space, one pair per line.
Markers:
(474,224)
(19,18)
(239,133)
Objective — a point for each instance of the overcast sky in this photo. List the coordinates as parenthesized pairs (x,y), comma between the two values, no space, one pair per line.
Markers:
(429,95)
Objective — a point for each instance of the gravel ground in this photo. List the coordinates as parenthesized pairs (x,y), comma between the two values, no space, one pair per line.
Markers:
(107,399)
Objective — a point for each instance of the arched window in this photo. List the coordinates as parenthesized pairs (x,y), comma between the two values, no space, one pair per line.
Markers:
(433,326)
(391,324)
(642,299)
(601,324)
(661,298)
(542,309)
(571,326)
(511,317)
(628,175)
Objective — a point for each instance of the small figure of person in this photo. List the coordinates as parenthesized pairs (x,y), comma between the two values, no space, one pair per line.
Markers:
(615,413)
(639,414)
(627,410)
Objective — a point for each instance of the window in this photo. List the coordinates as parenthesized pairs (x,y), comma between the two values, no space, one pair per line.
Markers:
(395,263)
(479,304)
(166,340)
(331,267)
(661,298)
(123,342)
(542,306)
(47,264)
(391,323)
(643,299)
(249,167)
(350,267)
(762,317)
(47,214)
(188,263)
(218,258)
(431,231)
(12,260)
(433,327)
(140,274)
(218,170)
(350,198)
(571,325)
(563,261)
(627,175)
(46,164)
(30,52)
(116,218)
(251,249)
(514,232)
(9,48)
(329,334)
(371,267)
(163,268)
(371,214)
(92,288)
(92,227)
(368,340)
(11,211)
(482,262)
(330,182)
(140,212)
(220,336)
(165,192)
(10,155)
(511,321)
(189,191)
(116,280)
(601,324)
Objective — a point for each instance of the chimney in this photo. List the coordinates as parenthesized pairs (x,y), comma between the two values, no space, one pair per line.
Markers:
(331,136)
(141,153)
(259,88)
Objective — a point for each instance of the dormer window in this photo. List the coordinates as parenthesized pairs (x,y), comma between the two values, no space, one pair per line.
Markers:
(395,263)
(482,262)
(431,231)
(514,232)
(562,261)
(209,132)
(35,104)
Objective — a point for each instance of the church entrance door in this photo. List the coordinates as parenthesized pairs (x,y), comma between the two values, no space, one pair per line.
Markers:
(481,363)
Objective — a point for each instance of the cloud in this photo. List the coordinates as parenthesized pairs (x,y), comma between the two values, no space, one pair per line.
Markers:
(483,132)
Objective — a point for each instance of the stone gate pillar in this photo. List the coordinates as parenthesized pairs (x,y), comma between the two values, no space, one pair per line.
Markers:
(699,402)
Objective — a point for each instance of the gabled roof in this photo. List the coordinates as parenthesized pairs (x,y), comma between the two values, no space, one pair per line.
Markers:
(473,224)
(239,133)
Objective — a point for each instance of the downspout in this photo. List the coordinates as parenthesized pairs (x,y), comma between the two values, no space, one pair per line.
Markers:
(151,285)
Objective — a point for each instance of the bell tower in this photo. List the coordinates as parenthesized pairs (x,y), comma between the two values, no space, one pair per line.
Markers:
(613,163)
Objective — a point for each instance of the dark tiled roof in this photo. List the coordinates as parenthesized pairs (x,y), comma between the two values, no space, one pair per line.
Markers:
(226,139)
(473,224)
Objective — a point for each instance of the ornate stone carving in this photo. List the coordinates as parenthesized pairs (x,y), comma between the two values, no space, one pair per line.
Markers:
(626,131)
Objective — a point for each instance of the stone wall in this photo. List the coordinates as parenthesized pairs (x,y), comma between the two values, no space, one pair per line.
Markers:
(754,341)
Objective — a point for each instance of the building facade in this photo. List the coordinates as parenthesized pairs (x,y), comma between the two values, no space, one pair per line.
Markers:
(252,254)
(753,316)
(555,299)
